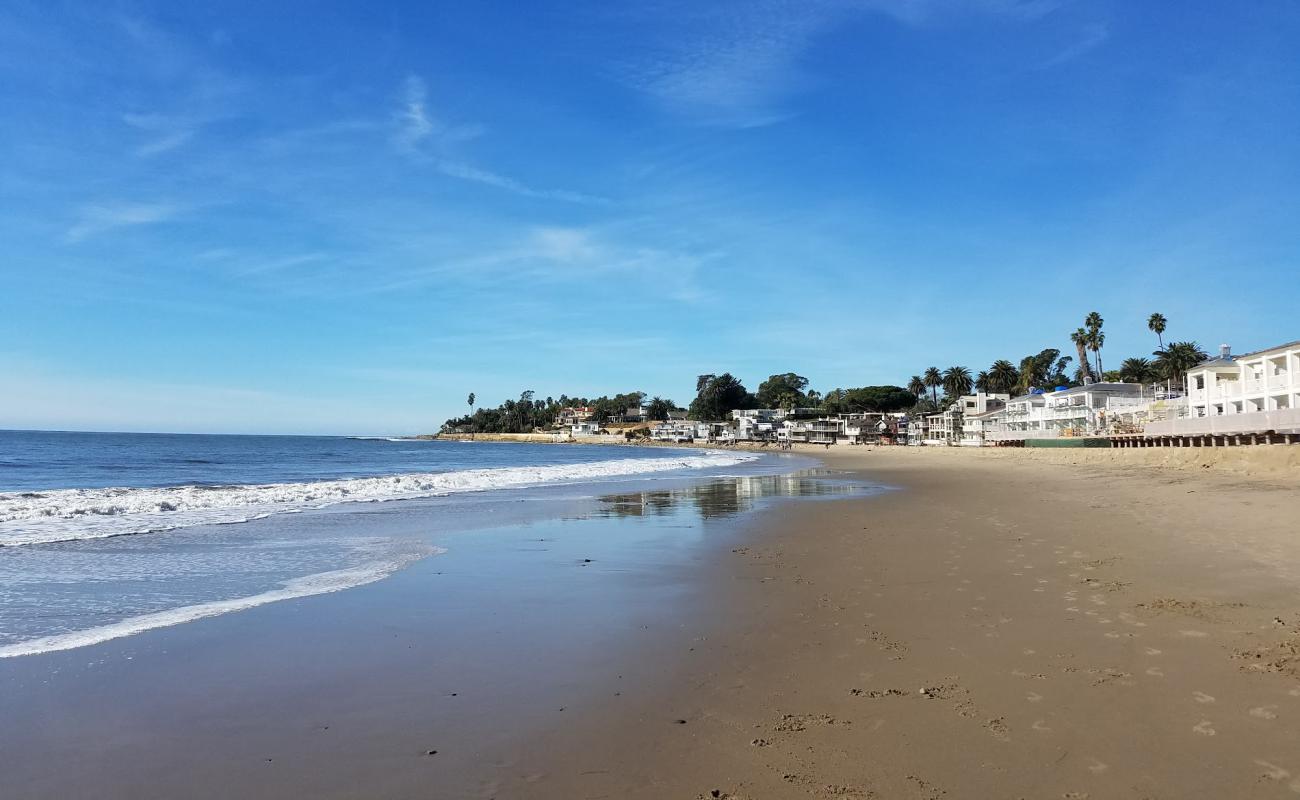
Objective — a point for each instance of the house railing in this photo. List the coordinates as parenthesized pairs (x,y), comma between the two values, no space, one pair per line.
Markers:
(1285,420)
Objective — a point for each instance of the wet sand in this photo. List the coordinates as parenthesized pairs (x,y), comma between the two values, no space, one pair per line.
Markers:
(1000,626)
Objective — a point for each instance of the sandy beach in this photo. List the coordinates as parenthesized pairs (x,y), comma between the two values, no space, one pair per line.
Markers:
(1007,625)
(1000,624)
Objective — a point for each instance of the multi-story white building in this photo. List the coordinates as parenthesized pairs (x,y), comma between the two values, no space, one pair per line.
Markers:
(948,426)
(1086,410)
(1266,380)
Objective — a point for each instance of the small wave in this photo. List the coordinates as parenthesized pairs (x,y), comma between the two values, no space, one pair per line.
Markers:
(306,586)
(73,514)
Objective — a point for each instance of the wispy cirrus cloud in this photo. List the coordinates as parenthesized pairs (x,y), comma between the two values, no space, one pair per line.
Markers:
(1093,36)
(738,64)
(104,217)
(422,136)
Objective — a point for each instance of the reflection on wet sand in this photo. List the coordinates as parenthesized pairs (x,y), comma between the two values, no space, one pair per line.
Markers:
(724,496)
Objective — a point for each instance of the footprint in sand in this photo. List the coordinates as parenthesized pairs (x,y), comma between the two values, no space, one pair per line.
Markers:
(1264,712)
(1033,697)
(1040,727)
(1097,767)
(1272,772)
(1204,727)
(1202,697)
(1193,634)
(1151,651)
(1155,672)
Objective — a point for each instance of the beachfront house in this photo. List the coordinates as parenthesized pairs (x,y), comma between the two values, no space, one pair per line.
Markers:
(1265,380)
(572,415)
(673,431)
(1089,410)
(1255,393)
(757,424)
(585,428)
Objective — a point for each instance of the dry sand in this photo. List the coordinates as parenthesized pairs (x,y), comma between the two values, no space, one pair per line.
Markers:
(1009,624)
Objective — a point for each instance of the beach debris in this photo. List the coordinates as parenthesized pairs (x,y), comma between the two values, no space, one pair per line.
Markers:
(431,753)
(679,722)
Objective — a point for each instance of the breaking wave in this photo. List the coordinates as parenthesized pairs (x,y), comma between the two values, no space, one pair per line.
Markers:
(73,514)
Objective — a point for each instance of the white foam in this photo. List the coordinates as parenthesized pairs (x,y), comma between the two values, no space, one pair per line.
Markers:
(72,514)
(320,583)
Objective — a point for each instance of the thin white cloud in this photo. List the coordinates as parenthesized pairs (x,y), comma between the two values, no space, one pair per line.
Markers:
(737,65)
(1093,37)
(423,137)
(104,217)
(413,123)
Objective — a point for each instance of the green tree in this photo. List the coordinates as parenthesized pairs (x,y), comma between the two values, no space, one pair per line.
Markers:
(1080,339)
(917,386)
(982,381)
(1156,324)
(956,382)
(658,408)
(1003,376)
(1096,338)
(782,391)
(718,397)
(1176,358)
(934,379)
(1137,370)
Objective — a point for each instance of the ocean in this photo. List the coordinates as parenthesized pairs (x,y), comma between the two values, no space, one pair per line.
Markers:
(105,535)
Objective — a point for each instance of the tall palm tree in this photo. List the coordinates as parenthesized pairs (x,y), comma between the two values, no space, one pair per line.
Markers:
(982,381)
(934,379)
(1156,324)
(956,381)
(1174,359)
(1003,376)
(1096,338)
(916,386)
(1080,339)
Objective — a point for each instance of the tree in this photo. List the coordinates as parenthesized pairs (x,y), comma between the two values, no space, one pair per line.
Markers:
(1156,324)
(1003,376)
(934,379)
(1174,359)
(658,408)
(956,381)
(782,391)
(916,386)
(718,397)
(1080,339)
(1096,338)
(1137,370)
(982,381)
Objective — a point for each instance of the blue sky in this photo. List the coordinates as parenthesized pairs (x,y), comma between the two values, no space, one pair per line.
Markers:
(274,217)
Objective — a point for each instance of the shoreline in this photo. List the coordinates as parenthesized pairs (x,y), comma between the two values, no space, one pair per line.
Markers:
(1002,627)
(996,629)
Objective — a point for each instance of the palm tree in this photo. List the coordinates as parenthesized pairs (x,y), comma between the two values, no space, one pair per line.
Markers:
(1003,376)
(1175,358)
(956,381)
(916,386)
(1137,370)
(982,381)
(471,413)
(1080,339)
(934,379)
(1156,324)
(1096,338)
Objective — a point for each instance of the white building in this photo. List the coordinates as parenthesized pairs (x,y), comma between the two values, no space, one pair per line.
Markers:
(673,432)
(1257,393)
(1266,380)
(1088,410)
